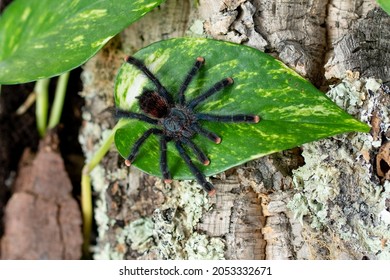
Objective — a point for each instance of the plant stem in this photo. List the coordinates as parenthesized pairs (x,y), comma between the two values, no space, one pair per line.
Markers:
(30,100)
(41,106)
(86,192)
(58,103)
(99,154)
(86,206)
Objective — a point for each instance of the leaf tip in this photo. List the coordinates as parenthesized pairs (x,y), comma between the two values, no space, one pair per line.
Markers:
(363,127)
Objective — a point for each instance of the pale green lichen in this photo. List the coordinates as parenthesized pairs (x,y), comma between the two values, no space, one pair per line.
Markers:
(197,28)
(140,234)
(335,187)
(175,225)
(201,247)
(170,232)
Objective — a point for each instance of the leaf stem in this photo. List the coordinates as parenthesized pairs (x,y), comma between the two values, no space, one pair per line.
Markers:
(86,192)
(101,152)
(58,103)
(30,100)
(87,212)
(41,106)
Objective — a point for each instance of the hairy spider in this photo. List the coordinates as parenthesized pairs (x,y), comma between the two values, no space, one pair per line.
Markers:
(178,121)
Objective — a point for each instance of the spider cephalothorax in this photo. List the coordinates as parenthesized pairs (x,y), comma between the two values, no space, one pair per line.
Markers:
(177,121)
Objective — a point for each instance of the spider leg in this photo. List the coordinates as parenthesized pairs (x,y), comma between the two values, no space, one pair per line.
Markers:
(163,160)
(141,66)
(198,63)
(231,118)
(130,115)
(213,90)
(198,152)
(200,178)
(206,133)
(138,144)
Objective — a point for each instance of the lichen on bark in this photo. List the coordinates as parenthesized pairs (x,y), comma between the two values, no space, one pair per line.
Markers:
(338,189)
(139,217)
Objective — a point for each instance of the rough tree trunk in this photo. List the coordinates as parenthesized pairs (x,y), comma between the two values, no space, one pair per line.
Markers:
(325,200)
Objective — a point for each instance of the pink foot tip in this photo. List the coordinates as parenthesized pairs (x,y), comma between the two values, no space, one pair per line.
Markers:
(127,162)
(212,192)
(167,181)
(230,80)
(256,119)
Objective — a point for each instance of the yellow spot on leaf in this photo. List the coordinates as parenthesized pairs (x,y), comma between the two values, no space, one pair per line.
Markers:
(93,14)
(100,42)
(78,38)
(26,13)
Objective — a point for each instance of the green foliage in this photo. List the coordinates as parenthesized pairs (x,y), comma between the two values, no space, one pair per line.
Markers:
(44,38)
(385,5)
(292,110)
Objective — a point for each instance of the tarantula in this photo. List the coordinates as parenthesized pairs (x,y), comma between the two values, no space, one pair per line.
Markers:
(178,121)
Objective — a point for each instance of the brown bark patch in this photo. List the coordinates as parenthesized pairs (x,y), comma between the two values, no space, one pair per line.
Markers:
(42,220)
(383,162)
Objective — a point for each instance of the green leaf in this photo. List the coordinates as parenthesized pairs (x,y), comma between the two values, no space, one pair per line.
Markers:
(292,110)
(385,5)
(44,38)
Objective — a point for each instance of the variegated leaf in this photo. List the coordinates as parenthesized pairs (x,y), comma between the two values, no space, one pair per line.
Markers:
(292,110)
(385,5)
(44,38)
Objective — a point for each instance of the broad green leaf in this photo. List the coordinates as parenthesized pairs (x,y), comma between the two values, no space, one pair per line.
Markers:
(292,110)
(385,5)
(44,38)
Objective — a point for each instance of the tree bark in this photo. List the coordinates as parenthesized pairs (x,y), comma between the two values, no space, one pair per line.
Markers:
(324,200)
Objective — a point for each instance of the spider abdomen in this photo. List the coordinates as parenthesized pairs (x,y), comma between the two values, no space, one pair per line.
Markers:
(153,104)
(178,123)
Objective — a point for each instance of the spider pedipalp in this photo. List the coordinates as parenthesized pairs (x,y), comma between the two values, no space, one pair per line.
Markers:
(178,121)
